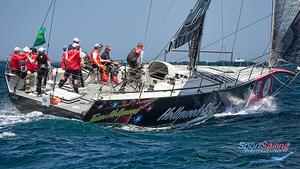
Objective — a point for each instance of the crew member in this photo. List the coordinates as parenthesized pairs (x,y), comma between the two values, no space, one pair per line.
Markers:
(111,66)
(135,55)
(31,63)
(73,67)
(95,59)
(15,65)
(132,60)
(43,66)
(25,53)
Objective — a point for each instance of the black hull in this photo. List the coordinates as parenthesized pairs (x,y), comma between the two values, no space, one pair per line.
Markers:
(26,105)
(165,111)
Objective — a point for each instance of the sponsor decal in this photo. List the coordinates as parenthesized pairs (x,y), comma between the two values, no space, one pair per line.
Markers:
(115,114)
(175,113)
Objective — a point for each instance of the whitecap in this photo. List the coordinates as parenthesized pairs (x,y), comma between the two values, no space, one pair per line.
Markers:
(134,128)
(265,105)
(7,134)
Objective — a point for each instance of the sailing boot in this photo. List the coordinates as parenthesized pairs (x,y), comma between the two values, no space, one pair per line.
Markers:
(61,83)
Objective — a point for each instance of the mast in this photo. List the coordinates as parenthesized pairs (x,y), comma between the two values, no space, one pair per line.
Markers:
(272,52)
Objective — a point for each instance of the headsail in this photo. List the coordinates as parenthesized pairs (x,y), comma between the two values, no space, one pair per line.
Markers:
(286,31)
(191,30)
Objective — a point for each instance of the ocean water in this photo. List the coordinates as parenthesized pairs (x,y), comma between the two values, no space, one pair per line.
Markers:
(228,140)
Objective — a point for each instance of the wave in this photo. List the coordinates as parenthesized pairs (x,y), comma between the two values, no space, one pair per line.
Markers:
(265,105)
(9,115)
(11,118)
(272,160)
(7,134)
(134,128)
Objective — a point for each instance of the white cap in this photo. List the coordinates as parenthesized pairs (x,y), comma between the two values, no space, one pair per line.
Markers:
(26,49)
(76,40)
(41,49)
(75,45)
(17,49)
(97,45)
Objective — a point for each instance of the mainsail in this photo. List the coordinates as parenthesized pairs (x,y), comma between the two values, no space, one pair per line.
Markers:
(286,31)
(191,31)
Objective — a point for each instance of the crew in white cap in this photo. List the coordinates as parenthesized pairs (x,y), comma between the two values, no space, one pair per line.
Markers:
(76,40)
(72,67)
(26,49)
(43,66)
(41,49)
(95,59)
(17,49)
(25,53)
(15,66)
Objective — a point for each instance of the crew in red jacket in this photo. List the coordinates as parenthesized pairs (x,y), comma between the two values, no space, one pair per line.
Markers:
(15,65)
(31,63)
(95,59)
(73,67)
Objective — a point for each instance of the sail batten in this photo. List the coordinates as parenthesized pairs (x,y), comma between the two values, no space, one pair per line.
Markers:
(286,31)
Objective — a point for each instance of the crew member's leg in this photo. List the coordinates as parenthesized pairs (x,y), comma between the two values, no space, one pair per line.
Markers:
(40,75)
(45,76)
(75,76)
(64,78)
(81,78)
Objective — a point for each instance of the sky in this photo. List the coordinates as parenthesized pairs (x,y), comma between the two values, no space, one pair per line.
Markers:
(122,23)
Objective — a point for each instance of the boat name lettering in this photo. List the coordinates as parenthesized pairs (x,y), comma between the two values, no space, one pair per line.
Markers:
(179,113)
(114,113)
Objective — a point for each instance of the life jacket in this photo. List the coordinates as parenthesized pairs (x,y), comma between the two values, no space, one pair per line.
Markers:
(15,62)
(42,60)
(32,66)
(98,60)
(73,60)
(133,55)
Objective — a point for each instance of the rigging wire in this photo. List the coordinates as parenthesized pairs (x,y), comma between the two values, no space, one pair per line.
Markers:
(236,32)
(160,27)
(52,20)
(225,37)
(148,21)
(229,35)
(269,43)
(47,13)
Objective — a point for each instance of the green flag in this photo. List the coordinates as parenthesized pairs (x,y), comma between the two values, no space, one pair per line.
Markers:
(40,39)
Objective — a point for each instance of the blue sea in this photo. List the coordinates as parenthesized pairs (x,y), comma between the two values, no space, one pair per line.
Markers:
(261,136)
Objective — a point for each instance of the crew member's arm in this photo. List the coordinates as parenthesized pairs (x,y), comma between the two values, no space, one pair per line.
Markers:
(48,62)
(82,63)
